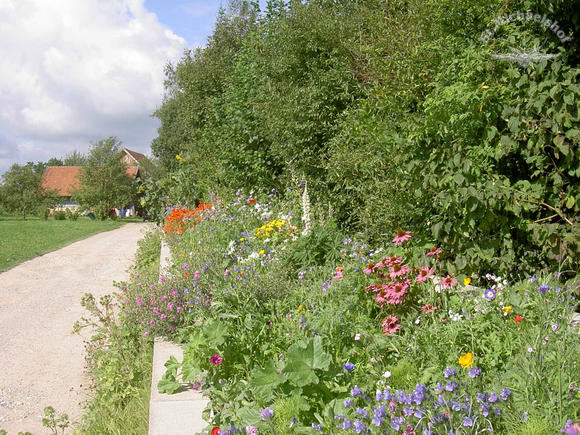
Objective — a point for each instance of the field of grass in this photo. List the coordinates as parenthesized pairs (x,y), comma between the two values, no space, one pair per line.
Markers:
(22,240)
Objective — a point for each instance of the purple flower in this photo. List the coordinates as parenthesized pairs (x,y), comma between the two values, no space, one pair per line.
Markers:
(467,421)
(571,428)
(543,288)
(326,285)
(474,372)
(349,366)
(355,391)
(347,403)
(449,372)
(555,326)
(251,430)
(493,398)
(317,427)
(490,294)
(359,426)
(266,414)
(533,279)
(505,393)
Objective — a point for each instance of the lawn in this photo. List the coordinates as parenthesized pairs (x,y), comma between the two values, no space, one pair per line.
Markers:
(22,240)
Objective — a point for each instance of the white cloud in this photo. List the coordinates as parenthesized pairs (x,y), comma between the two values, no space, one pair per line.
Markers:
(78,70)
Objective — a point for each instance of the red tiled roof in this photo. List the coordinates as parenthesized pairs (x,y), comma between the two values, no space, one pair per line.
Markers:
(135,155)
(63,179)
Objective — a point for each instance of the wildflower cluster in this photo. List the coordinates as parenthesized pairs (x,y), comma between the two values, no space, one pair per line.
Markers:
(270,229)
(440,408)
(180,218)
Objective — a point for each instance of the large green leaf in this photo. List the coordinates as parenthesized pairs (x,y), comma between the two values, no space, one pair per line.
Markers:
(264,382)
(303,359)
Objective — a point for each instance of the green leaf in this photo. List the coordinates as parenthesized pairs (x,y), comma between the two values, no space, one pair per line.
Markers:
(264,382)
(168,385)
(304,359)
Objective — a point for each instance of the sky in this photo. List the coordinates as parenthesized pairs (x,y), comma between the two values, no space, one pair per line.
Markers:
(73,72)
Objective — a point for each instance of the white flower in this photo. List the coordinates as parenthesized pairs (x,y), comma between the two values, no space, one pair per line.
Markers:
(387,374)
(357,337)
(530,349)
(417,321)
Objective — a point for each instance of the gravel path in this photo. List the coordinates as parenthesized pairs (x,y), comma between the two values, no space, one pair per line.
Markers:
(41,362)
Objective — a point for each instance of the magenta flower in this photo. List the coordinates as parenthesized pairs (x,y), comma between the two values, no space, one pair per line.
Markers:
(402,236)
(216,359)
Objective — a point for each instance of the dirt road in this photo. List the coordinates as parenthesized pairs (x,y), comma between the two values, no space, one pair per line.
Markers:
(41,361)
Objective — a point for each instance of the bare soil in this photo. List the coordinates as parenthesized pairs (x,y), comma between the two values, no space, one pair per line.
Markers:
(41,362)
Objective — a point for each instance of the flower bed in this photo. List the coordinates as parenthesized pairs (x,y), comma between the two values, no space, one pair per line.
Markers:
(296,332)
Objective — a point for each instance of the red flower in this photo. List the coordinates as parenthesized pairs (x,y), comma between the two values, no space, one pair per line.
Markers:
(215,431)
(518,319)
(251,201)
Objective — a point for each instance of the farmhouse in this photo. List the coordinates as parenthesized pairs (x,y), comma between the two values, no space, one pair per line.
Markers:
(65,179)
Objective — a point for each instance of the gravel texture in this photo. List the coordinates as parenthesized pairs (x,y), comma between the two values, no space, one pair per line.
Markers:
(41,362)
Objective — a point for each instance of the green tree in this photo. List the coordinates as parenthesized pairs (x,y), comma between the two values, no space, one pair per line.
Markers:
(21,191)
(74,158)
(104,183)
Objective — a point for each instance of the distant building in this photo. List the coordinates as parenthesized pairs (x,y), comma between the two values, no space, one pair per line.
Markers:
(66,179)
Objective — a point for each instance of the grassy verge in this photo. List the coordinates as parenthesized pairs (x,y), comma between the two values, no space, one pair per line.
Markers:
(24,240)
(120,356)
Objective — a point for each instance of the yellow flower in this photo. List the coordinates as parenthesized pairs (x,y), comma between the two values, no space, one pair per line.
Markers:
(466,360)
(262,252)
(300,308)
(467,281)
(506,310)
(242,239)
(178,157)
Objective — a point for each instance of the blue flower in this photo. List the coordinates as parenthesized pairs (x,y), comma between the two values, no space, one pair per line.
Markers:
(543,288)
(347,403)
(317,427)
(349,366)
(490,294)
(355,391)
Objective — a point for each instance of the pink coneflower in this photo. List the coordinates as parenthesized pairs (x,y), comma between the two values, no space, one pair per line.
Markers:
(373,288)
(402,236)
(390,325)
(434,251)
(424,274)
(216,359)
(391,261)
(428,308)
(448,281)
(370,269)
(380,299)
(399,270)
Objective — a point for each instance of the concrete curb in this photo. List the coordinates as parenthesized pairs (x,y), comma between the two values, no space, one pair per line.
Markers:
(172,414)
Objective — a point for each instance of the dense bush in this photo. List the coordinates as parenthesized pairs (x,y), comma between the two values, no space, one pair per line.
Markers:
(397,116)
